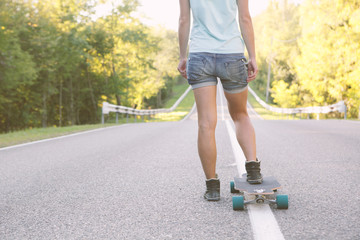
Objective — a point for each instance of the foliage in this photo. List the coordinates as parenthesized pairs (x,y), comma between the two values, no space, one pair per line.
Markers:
(165,60)
(277,31)
(328,68)
(314,50)
(284,95)
(58,63)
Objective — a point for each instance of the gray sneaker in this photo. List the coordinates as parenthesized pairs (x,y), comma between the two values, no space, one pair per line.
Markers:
(212,190)
(253,172)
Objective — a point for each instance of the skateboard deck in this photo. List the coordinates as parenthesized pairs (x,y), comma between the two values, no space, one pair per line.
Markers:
(266,192)
(268,186)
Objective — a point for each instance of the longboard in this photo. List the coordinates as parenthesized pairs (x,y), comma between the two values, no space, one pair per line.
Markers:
(266,192)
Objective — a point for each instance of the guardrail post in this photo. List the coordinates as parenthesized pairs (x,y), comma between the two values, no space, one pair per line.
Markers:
(127,117)
(117,117)
(345,113)
(102,117)
(135,117)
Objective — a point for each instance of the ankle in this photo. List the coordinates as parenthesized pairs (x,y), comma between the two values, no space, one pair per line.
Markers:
(212,177)
(256,160)
(252,161)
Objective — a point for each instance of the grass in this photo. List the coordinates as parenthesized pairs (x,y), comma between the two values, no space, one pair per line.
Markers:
(29,135)
(183,108)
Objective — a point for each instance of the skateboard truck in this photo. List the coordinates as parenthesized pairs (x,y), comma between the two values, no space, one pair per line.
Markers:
(260,199)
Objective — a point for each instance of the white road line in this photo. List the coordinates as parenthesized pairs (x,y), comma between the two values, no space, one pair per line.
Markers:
(238,153)
(55,138)
(220,91)
(263,222)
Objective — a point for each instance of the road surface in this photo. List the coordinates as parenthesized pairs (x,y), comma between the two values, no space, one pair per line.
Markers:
(144,181)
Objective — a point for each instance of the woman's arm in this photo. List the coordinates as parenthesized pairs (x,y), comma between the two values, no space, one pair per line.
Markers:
(247,32)
(184,30)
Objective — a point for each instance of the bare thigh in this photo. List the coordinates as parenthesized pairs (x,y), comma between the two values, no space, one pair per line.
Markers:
(205,98)
(237,104)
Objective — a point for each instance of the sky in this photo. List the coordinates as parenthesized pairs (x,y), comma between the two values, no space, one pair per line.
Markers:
(166,12)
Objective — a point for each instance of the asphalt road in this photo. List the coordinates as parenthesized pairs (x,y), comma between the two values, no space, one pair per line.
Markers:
(144,181)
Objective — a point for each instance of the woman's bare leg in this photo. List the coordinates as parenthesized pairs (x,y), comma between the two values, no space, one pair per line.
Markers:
(205,98)
(245,132)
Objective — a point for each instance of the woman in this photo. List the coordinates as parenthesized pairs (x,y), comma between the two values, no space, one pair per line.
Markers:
(216,51)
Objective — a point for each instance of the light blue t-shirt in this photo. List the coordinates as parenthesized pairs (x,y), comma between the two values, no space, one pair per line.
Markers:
(215,28)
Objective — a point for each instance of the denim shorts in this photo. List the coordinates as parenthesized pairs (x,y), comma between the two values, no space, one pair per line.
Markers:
(203,69)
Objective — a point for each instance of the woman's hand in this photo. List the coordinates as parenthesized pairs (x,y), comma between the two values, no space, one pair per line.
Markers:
(182,67)
(252,69)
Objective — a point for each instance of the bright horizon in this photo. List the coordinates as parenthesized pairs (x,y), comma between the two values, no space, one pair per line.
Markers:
(166,12)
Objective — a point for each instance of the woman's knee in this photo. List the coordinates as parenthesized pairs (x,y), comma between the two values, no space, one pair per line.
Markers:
(207,125)
(239,116)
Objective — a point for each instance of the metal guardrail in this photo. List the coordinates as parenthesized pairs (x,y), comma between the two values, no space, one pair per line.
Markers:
(107,108)
(340,107)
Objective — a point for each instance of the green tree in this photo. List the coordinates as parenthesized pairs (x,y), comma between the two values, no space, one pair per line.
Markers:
(165,62)
(58,63)
(284,95)
(17,69)
(277,31)
(328,67)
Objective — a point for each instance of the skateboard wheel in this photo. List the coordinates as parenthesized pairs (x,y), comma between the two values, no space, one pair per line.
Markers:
(232,188)
(238,202)
(282,201)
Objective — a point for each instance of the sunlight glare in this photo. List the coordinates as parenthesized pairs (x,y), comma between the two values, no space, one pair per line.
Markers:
(166,12)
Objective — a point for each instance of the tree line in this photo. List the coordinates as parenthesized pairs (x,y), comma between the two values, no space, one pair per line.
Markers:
(314,52)
(58,63)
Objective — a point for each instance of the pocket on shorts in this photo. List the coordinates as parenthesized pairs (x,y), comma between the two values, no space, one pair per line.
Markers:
(195,67)
(236,71)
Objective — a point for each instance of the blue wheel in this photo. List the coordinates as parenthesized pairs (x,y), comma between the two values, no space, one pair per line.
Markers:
(238,202)
(282,201)
(232,188)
